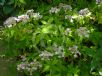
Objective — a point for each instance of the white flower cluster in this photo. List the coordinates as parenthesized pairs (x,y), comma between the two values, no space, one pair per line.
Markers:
(54,10)
(61,6)
(29,66)
(23,57)
(69,17)
(30,12)
(22,18)
(74,50)
(68,31)
(45,55)
(83,32)
(36,16)
(58,51)
(84,12)
(11,21)
(2,56)
(74,17)
(98,1)
(65,7)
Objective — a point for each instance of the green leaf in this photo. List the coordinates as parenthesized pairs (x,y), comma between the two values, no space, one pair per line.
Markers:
(100,72)
(50,20)
(2,2)
(12,33)
(10,2)
(44,22)
(7,9)
(22,1)
(89,52)
(46,68)
(99,54)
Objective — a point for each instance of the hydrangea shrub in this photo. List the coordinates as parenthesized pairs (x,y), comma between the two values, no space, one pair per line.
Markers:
(61,42)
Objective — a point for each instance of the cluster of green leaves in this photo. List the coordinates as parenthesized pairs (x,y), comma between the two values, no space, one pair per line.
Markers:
(35,36)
